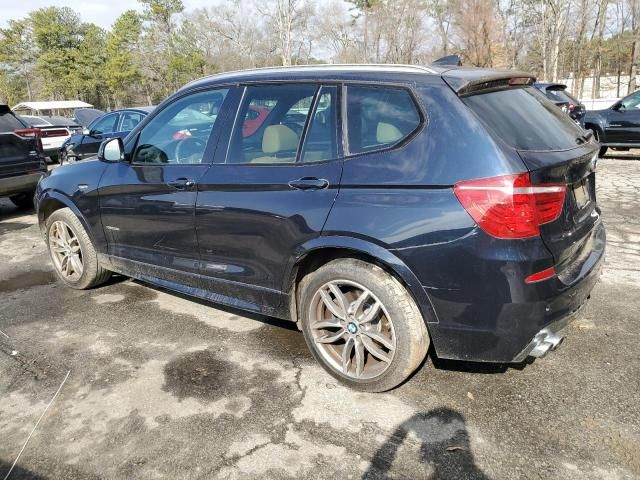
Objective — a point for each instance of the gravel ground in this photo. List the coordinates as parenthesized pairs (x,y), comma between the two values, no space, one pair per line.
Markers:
(160,386)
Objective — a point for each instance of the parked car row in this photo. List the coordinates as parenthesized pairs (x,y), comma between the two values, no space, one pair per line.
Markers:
(22,160)
(85,142)
(557,93)
(343,199)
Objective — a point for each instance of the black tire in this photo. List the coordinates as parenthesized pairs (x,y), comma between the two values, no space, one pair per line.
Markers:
(93,274)
(411,336)
(23,201)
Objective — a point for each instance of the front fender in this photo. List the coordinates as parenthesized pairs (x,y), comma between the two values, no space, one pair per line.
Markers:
(50,200)
(74,187)
(598,122)
(382,255)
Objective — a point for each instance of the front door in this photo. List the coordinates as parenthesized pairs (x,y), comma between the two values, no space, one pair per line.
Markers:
(272,190)
(624,122)
(100,130)
(147,205)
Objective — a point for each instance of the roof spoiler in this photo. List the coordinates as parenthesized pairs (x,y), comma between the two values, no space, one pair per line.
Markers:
(448,61)
(468,81)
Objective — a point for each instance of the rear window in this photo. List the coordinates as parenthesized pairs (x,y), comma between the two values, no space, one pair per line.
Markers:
(561,96)
(9,123)
(525,119)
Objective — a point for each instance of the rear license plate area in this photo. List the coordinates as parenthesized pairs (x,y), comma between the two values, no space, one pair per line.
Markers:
(581,193)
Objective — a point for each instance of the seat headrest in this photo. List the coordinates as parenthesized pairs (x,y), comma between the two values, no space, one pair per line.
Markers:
(279,138)
(387,133)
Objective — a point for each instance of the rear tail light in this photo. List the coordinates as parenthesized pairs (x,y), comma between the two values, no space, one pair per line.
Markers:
(31,133)
(28,132)
(61,132)
(509,206)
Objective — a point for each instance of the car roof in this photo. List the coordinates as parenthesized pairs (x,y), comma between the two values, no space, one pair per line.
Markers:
(308,72)
(459,78)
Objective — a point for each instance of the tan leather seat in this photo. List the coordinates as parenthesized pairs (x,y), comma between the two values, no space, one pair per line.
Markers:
(387,133)
(276,139)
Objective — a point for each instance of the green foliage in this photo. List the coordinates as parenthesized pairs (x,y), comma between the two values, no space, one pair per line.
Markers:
(121,72)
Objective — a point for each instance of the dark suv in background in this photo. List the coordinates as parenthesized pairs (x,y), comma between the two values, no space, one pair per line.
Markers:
(22,162)
(618,126)
(85,144)
(557,93)
(381,208)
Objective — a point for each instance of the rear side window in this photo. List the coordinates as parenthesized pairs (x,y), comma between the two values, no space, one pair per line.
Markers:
(9,123)
(379,117)
(525,119)
(561,96)
(270,123)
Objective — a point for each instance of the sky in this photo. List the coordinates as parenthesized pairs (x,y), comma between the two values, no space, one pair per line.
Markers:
(100,12)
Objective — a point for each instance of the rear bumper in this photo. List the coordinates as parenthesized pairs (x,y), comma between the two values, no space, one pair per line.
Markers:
(19,183)
(498,319)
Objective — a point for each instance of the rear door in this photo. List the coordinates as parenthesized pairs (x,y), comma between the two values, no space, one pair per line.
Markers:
(553,148)
(272,188)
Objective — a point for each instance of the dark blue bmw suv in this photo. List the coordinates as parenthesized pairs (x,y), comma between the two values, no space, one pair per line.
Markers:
(382,208)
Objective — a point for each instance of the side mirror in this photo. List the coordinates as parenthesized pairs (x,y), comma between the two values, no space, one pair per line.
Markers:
(619,107)
(111,150)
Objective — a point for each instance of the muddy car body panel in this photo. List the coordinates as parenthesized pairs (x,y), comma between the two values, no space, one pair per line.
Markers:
(239,232)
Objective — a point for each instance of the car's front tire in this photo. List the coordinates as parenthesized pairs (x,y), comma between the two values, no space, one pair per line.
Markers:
(74,257)
(362,325)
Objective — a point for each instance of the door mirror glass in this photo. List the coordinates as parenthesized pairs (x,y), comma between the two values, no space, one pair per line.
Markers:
(111,150)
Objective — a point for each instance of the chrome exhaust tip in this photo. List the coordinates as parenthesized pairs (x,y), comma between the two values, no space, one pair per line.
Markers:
(544,343)
(554,340)
(540,350)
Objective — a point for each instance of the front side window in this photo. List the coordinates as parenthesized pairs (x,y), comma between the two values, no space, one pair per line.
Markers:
(632,102)
(180,132)
(270,123)
(379,117)
(130,120)
(106,124)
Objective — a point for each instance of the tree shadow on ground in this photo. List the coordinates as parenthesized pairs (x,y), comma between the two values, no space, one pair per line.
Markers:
(445,449)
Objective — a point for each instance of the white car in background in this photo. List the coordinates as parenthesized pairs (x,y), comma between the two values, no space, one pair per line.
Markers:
(54,131)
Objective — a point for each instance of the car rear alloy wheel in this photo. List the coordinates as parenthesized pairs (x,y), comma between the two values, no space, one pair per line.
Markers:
(65,251)
(361,324)
(352,329)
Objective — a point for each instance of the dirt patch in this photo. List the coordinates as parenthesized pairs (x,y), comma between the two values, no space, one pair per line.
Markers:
(6,227)
(25,280)
(204,375)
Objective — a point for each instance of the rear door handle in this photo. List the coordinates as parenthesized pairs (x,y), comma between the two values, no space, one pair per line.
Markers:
(309,183)
(181,183)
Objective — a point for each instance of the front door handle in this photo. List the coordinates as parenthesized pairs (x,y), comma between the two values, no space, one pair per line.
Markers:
(309,183)
(181,183)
